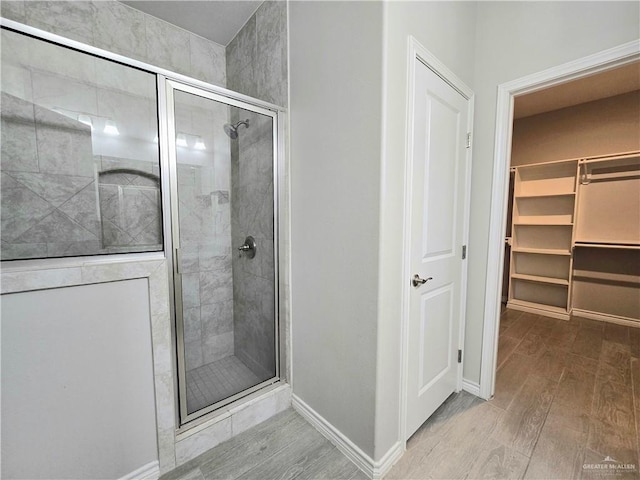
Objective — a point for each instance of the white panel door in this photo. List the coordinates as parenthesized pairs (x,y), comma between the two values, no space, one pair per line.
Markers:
(438,199)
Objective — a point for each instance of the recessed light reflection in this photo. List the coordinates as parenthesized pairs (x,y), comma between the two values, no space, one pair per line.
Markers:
(199,145)
(86,119)
(181,140)
(110,128)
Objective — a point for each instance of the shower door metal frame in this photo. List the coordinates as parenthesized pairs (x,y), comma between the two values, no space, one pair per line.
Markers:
(169,87)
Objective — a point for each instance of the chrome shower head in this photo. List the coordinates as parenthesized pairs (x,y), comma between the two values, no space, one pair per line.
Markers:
(232,130)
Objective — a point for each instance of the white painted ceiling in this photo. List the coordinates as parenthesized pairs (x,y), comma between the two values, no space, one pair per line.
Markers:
(218,21)
(221,20)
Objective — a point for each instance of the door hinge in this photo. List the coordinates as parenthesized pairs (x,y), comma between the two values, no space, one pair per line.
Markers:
(469,140)
(459,356)
(176,259)
(464,252)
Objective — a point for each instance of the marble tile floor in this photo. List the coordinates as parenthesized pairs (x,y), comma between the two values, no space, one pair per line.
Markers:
(217,380)
(283,447)
(567,395)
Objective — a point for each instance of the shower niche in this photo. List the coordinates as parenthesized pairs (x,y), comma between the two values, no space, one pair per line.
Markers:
(130,209)
(222,174)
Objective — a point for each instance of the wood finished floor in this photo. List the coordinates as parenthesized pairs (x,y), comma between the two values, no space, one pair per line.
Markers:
(567,394)
(283,447)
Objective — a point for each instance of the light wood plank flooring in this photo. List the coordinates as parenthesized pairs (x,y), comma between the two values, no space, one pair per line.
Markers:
(567,394)
(283,447)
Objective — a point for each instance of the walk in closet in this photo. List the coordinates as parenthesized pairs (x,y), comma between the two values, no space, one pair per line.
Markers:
(575,242)
(573,233)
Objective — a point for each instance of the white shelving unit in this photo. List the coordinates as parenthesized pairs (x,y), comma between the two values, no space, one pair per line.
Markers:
(544,205)
(606,283)
(575,239)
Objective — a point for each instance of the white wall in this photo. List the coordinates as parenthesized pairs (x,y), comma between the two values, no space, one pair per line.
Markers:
(602,127)
(340,353)
(335,111)
(446,29)
(514,39)
(77,382)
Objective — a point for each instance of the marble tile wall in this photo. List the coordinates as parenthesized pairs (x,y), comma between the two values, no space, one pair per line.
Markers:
(38,75)
(257,56)
(253,214)
(205,231)
(130,211)
(256,66)
(207,290)
(51,202)
(120,29)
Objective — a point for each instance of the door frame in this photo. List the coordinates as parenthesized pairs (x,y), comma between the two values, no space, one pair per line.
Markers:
(417,52)
(583,67)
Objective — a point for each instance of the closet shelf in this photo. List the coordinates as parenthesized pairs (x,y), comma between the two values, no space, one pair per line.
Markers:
(546,195)
(607,245)
(542,251)
(539,279)
(543,223)
(595,276)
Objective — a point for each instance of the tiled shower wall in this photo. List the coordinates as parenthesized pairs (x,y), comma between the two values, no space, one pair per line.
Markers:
(50,206)
(37,203)
(50,160)
(118,28)
(206,273)
(204,181)
(256,66)
(257,56)
(71,212)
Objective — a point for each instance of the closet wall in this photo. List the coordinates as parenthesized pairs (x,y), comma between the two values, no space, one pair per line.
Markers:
(601,127)
(576,211)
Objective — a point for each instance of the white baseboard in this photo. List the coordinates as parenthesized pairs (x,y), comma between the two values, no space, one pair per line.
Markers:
(150,471)
(471,387)
(374,470)
(382,467)
(605,317)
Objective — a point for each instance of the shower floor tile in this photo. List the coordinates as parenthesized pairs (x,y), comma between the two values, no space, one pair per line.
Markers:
(216,381)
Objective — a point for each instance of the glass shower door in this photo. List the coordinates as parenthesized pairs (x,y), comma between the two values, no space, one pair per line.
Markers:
(223,240)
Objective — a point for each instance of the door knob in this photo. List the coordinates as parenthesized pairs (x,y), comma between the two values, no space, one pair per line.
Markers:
(416,281)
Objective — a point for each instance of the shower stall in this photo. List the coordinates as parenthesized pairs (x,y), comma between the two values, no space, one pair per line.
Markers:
(103,157)
(223,185)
